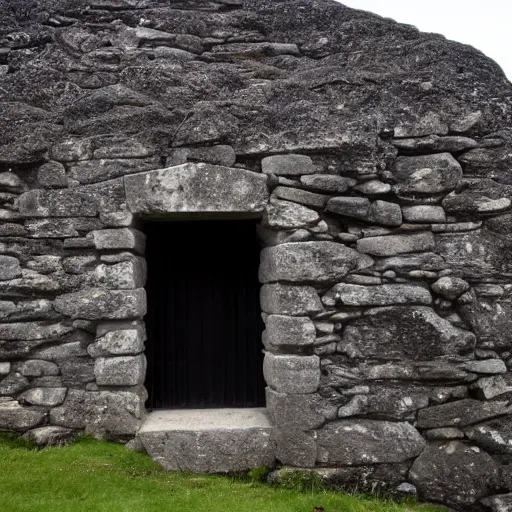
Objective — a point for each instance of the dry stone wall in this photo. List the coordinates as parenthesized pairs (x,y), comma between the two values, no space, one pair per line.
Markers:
(379,162)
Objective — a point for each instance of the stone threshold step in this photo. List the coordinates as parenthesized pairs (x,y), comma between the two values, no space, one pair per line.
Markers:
(209,440)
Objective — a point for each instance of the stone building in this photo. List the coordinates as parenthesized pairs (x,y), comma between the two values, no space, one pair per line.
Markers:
(150,149)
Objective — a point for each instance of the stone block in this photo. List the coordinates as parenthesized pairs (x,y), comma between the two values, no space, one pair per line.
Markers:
(200,188)
(34,330)
(47,397)
(295,448)
(293,331)
(126,275)
(217,155)
(9,268)
(424,213)
(52,175)
(76,202)
(486,366)
(327,183)
(287,215)
(493,436)
(98,304)
(117,219)
(13,384)
(291,373)
(118,343)
(114,412)
(385,213)
(353,207)
(450,287)
(498,503)
(358,442)
(454,473)
(427,174)
(288,165)
(310,262)
(304,197)
(396,244)
(120,371)
(5,368)
(49,436)
(284,299)
(76,371)
(120,239)
(13,416)
(38,368)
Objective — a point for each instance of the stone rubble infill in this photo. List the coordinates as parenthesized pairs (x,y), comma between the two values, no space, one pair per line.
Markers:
(383,214)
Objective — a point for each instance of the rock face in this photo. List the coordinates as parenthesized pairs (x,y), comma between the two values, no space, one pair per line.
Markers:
(382,192)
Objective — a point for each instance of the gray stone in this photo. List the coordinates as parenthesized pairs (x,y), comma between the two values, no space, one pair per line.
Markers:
(52,175)
(420,371)
(217,155)
(428,123)
(120,239)
(97,304)
(287,215)
(428,261)
(120,371)
(288,165)
(294,331)
(450,287)
(461,413)
(353,207)
(78,264)
(5,368)
(441,434)
(396,244)
(428,174)
(38,368)
(9,268)
(126,275)
(298,449)
(49,397)
(118,412)
(13,384)
(493,436)
(498,503)
(379,295)
(112,147)
(13,416)
(284,299)
(358,442)
(373,188)
(34,330)
(117,219)
(71,150)
(51,228)
(454,473)
(411,333)
(291,373)
(59,203)
(385,213)
(213,441)
(60,352)
(486,366)
(76,371)
(310,261)
(11,182)
(327,182)
(304,197)
(298,412)
(424,213)
(434,144)
(49,436)
(487,388)
(118,343)
(199,188)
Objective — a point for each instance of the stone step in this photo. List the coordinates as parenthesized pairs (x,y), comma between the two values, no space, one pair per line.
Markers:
(209,440)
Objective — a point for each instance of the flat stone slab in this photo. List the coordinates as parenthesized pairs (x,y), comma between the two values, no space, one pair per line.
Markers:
(209,440)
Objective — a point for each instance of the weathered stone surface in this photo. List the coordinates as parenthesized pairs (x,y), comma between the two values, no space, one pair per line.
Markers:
(310,261)
(487,388)
(493,436)
(420,371)
(38,368)
(9,268)
(120,239)
(304,197)
(52,175)
(209,442)
(291,331)
(434,144)
(427,261)
(120,371)
(385,213)
(499,503)
(291,373)
(424,213)
(97,304)
(13,384)
(197,188)
(461,413)
(450,287)
(76,371)
(413,333)
(441,434)
(49,397)
(288,165)
(483,197)
(59,203)
(49,436)
(288,215)
(428,174)
(373,188)
(118,343)
(299,450)
(126,275)
(217,155)
(34,330)
(454,473)
(284,299)
(396,244)
(486,366)
(15,417)
(327,182)
(379,295)
(117,412)
(60,352)
(354,207)
(359,442)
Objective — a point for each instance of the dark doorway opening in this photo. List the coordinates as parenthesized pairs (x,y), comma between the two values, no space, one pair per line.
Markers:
(204,322)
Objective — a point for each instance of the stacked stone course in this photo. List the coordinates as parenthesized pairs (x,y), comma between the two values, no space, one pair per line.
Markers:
(384,210)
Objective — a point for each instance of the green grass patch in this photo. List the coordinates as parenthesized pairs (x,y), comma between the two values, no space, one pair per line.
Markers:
(95,476)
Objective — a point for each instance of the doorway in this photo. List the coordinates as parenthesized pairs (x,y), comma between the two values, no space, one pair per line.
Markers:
(204,321)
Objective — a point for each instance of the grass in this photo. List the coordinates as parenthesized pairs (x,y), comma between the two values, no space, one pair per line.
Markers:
(94,476)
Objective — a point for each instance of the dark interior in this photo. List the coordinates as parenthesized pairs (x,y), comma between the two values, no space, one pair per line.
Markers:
(204,322)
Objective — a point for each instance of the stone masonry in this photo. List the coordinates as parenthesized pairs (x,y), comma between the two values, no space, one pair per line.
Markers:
(379,162)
